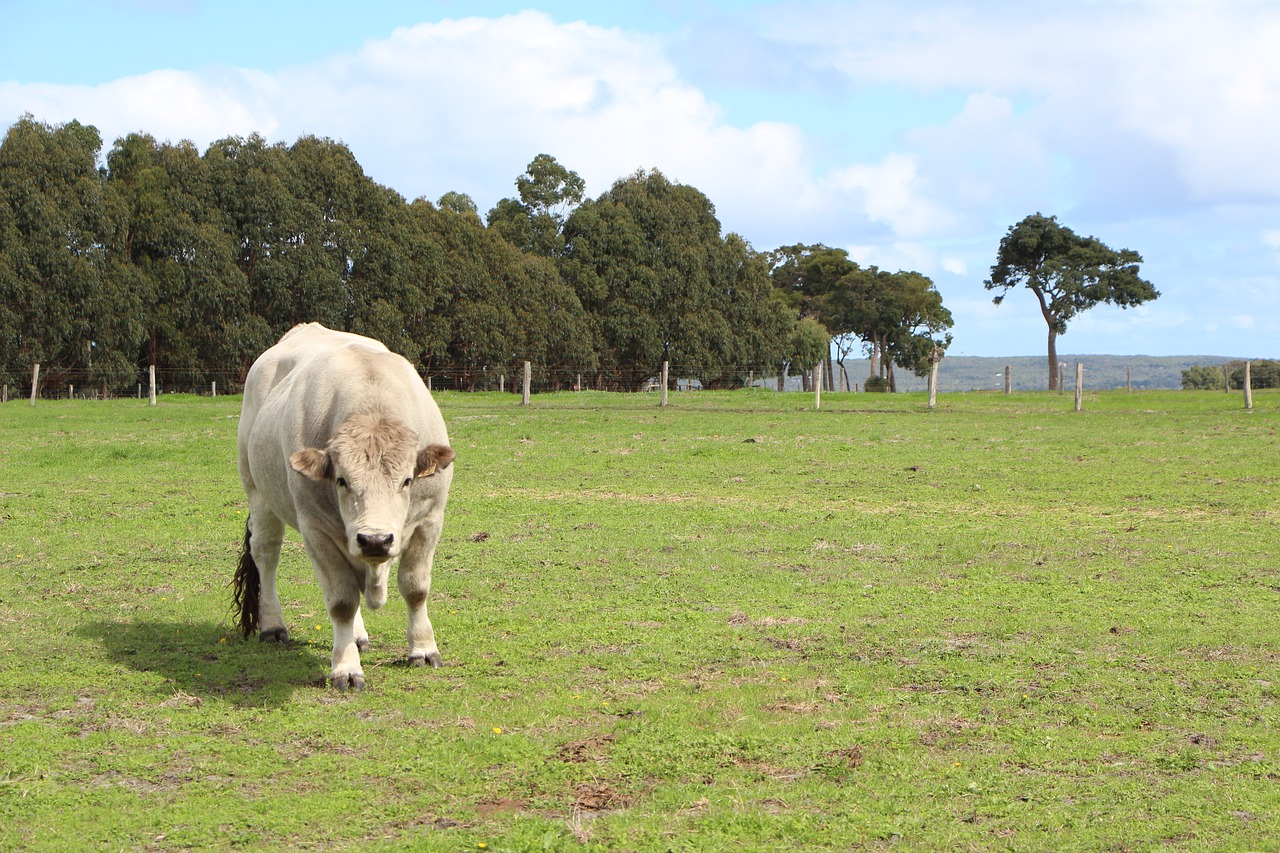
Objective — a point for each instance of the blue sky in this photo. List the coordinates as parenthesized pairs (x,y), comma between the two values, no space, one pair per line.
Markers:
(911,134)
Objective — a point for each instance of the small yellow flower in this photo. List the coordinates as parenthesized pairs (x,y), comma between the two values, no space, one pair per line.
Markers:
(497,730)
(222,640)
(481,845)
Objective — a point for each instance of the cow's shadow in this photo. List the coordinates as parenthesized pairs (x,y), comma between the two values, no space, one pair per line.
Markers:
(208,660)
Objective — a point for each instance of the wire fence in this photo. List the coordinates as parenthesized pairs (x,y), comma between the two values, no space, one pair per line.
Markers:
(954,375)
(53,383)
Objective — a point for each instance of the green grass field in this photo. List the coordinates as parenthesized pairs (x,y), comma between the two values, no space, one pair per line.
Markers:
(732,624)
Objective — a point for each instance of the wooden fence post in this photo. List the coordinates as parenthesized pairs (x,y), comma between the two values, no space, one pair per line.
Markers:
(528,379)
(933,379)
(1008,379)
(1248,387)
(817,386)
(213,390)
(35,382)
(666,374)
(1128,379)
(1079,386)
(153,384)
(1062,371)
(4,394)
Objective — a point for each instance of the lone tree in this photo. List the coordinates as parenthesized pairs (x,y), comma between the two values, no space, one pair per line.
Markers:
(1067,273)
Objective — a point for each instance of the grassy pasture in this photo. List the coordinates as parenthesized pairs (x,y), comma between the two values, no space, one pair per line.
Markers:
(736,623)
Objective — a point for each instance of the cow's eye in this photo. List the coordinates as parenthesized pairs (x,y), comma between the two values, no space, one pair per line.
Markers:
(408,481)
(342,482)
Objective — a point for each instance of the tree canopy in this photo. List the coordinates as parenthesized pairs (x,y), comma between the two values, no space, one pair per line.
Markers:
(1067,273)
(154,253)
(897,317)
(648,261)
(1264,373)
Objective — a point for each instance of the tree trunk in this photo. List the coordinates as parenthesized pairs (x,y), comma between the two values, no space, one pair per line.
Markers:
(1053,359)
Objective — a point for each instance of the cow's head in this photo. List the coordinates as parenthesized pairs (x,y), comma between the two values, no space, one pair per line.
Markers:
(373,462)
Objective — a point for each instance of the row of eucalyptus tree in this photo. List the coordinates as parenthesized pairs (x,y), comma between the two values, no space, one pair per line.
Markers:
(159,254)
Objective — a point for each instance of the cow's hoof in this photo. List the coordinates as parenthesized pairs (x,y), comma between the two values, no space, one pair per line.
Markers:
(362,644)
(353,681)
(434,659)
(275,635)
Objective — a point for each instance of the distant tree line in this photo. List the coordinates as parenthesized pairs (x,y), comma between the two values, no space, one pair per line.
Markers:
(161,255)
(1230,376)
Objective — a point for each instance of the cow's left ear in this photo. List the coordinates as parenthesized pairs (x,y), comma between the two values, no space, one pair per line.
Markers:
(433,458)
(312,464)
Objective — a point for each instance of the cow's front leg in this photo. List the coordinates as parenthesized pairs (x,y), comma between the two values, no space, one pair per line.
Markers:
(341,587)
(345,671)
(361,635)
(414,579)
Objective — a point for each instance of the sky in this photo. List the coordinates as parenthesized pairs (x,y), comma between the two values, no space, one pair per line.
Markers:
(913,135)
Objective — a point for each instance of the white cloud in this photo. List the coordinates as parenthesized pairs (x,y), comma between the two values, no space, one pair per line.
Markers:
(896,256)
(1198,82)
(1151,124)
(465,105)
(893,192)
(169,105)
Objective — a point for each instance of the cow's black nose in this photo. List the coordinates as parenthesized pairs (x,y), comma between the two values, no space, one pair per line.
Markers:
(375,544)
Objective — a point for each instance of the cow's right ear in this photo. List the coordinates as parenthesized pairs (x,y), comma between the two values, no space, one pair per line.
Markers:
(433,458)
(312,464)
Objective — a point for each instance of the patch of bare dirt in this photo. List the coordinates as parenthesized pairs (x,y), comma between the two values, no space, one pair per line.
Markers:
(592,749)
(599,796)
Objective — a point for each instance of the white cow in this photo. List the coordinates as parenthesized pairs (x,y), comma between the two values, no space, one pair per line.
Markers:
(340,439)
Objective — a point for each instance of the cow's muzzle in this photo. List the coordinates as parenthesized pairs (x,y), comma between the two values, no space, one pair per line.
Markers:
(375,547)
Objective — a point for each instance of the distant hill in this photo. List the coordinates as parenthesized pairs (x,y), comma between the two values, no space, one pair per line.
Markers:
(1030,373)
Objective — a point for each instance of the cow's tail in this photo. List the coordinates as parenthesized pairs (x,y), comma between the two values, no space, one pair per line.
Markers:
(245,589)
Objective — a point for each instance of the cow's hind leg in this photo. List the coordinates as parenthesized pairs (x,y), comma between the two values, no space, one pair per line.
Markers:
(255,604)
(414,579)
(266,534)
